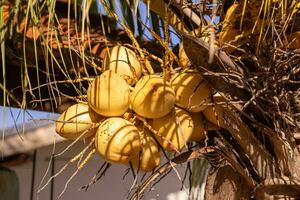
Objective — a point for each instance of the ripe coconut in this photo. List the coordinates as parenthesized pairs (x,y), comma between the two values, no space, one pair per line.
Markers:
(174,130)
(214,113)
(74,122)
(149,157)
(203,34)
(183,58)
(152,97)
(192,91)
(117,140)
(200,130)
(124,62)
(252,24)
(108,94)
(229,31)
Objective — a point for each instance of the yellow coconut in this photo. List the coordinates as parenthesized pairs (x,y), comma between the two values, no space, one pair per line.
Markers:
(229,31)
(149,157)
(192,91)
(201,33)
(233,33)
(152,97)
(108,94)
(74,122)
(117,140)
(124,62)
(214,113)
(200,130)
(183,58)
(174,130)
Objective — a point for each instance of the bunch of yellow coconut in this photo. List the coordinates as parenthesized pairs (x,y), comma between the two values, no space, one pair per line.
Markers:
(132,115)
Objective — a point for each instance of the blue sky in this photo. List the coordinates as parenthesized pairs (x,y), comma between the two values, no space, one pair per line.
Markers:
(144,15)
(14,116)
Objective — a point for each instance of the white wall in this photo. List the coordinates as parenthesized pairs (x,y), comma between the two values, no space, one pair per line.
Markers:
(110,187)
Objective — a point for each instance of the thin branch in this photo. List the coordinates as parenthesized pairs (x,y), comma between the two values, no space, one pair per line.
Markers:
(182,158)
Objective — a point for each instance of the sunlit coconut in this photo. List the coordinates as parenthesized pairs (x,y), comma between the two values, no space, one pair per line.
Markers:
(192,91)
(229,32)
(232,32)
(152,97)
(74,122)
(200,129)
(183,58)
(214,113)
(108,94)
(117,140)
(149,157)
(203,34)
(174,130)
(124,62)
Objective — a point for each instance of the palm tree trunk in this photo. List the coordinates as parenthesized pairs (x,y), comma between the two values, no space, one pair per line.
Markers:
(200,169)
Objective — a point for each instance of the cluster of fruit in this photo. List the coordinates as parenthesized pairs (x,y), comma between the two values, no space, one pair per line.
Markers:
(132,115)
(245,26)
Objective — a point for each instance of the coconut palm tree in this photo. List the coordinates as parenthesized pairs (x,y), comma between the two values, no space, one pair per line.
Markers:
(246,51)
